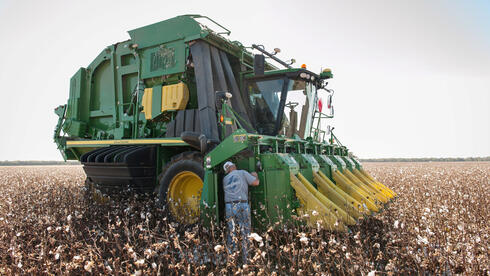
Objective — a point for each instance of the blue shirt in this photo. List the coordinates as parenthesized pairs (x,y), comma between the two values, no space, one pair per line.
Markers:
(235,185)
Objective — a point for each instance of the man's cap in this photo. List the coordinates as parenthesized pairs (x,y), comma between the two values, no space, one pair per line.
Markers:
(227,165)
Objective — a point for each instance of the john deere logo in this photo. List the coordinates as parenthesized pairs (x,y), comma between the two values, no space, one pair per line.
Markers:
(163,58)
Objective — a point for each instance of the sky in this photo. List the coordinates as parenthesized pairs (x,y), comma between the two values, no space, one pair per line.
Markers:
(411,78)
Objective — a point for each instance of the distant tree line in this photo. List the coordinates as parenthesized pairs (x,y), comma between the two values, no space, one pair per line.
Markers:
(428,159)
(37,163)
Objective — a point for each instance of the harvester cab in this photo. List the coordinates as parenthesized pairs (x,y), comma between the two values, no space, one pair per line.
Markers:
(162,111)
(272,92)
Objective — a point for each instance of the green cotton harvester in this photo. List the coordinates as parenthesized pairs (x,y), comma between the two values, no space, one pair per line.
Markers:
(162,111)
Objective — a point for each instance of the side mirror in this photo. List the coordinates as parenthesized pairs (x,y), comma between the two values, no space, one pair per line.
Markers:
(329,101)
(329,104)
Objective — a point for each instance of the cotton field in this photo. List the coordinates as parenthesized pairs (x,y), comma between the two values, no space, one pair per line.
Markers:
(438,224)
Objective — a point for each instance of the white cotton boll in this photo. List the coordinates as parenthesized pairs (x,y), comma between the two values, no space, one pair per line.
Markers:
(372,273)
(57,256)
(218,248)
(140,262)
(256,237)
(315,213)
(148,253)
(154,265)
(303,240)
(421,240)
(68,218)
(396,224)
(88,266)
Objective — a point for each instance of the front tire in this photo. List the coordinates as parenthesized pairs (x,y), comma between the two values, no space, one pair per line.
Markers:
(181,183)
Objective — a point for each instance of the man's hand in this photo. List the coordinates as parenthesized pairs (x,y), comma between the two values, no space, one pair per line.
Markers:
(256,182)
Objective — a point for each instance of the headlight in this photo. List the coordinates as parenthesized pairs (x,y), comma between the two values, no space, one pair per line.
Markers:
(312,78)
(307,76)
(303,75)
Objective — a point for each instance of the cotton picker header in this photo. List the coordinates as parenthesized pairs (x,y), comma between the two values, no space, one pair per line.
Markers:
(162,111)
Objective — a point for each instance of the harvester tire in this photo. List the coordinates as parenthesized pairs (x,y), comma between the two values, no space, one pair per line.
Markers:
(180,187)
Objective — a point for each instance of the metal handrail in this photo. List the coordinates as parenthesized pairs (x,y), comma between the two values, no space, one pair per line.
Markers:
(228,32)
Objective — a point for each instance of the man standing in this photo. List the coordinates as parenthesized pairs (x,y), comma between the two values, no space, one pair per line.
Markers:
(235,186)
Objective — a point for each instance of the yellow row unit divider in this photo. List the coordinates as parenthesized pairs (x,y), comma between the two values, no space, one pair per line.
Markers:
(313,209)
(352,190)
(347,204)
(338,211)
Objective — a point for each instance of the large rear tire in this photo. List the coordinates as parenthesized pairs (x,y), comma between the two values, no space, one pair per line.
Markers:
(181,183)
